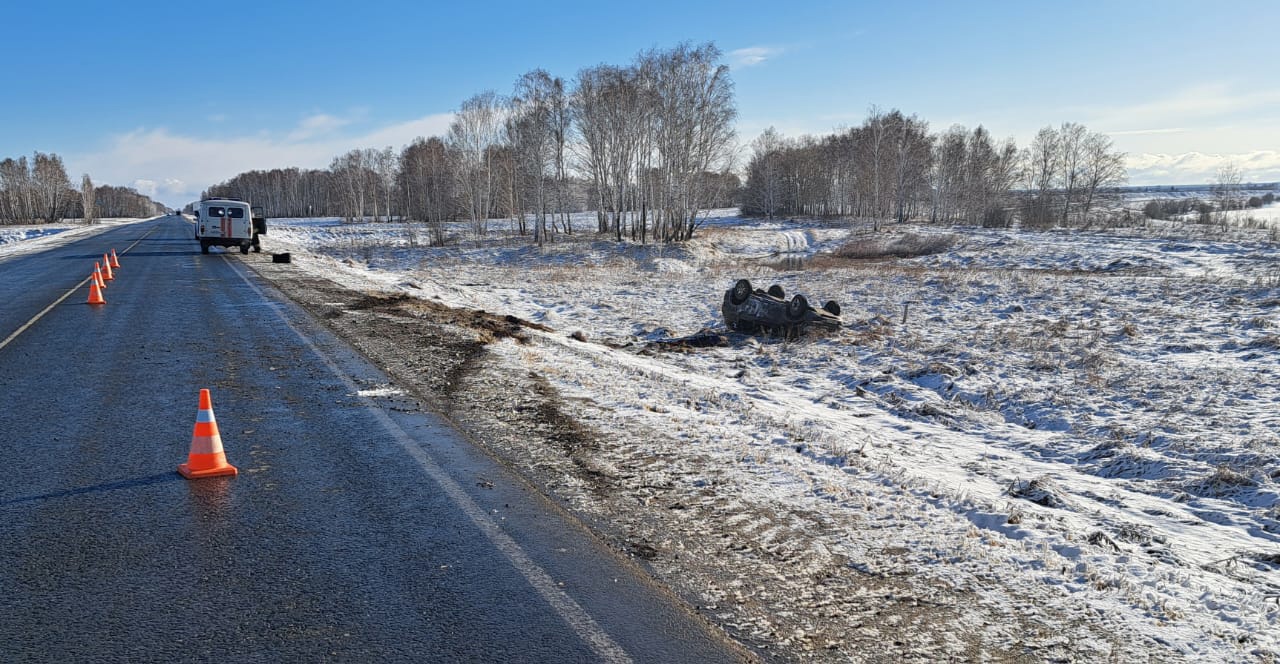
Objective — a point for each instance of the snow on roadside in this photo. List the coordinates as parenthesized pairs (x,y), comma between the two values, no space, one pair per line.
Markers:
(24,239)
(1082,424)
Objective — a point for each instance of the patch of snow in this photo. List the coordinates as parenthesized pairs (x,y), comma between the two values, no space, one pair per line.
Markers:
(380,391)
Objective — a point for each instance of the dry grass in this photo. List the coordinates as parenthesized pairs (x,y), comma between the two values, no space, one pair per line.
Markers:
(909,245)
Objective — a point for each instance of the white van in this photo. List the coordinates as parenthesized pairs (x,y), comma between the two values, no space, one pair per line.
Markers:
(225,222)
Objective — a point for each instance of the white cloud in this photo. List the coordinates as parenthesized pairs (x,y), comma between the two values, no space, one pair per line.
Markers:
(1202,118)
(169,189)
(1200,168)
(1148,132)
(1204,102)
(174,168)
(753,55)
(317,125)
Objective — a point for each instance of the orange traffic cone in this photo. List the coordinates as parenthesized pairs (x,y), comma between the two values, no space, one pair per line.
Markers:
(106,269)
(115,262)
(95,293)
(206,458)
(97,276)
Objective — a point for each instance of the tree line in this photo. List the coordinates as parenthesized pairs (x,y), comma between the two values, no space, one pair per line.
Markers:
(39,191)
(892,167)
(649,146)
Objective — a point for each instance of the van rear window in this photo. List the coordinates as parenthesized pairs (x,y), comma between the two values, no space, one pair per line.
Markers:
(234,213)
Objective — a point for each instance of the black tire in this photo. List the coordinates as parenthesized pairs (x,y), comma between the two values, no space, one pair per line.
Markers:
(204,247)
(831,307)
(797,307)
(244,248)
(776,291)
(741,291)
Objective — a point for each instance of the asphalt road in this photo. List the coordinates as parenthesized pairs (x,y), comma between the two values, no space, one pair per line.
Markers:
(358,529)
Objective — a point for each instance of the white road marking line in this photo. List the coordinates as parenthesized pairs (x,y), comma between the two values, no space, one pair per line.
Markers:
(58,301)
(40,315)
(569,610)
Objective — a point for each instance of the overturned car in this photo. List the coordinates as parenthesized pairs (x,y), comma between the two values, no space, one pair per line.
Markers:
(752,310)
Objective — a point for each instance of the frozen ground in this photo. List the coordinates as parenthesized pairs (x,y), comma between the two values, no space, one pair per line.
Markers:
(1078,431)
(1084,421)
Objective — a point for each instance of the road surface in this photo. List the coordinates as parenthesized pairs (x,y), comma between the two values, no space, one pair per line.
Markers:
(358,529)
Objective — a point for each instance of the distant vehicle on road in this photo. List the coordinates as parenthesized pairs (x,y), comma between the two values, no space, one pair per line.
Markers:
(751,310)
(228,222)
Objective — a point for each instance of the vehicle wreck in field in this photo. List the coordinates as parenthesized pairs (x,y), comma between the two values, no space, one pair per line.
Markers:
(756,311)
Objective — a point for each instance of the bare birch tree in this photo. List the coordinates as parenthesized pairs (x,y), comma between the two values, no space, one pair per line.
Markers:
(86,199)
(765,180)
(1040,173)
(475,130)
(693,123)
(52,186)
(1104,167)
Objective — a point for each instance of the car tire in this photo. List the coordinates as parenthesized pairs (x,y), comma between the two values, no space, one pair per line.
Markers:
(204,247)
(741,291)
(776,291)
(831,307)
(797,307)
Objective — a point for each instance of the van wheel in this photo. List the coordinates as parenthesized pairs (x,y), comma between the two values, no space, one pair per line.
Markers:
(204,247)
(244,248)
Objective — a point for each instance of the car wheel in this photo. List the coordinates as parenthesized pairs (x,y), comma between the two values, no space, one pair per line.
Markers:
(797,307)
(204,247)
(741,291)
(776,291)
(831,307)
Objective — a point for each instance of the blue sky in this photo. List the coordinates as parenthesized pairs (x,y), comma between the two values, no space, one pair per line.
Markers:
(171,97)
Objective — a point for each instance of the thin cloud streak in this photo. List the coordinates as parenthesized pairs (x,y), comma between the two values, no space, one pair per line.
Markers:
(753,55)
(1194,106)
(1148,132)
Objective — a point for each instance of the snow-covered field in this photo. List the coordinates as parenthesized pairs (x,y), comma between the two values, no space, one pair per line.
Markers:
(26,238)
(1269,215)
(1082,424)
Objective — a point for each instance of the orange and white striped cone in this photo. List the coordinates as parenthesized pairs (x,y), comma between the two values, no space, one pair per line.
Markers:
(95,293)
(97,276)
(115,262)
(106,269)
(206,458)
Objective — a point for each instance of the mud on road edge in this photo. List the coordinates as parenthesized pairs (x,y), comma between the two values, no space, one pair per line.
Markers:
(781,604)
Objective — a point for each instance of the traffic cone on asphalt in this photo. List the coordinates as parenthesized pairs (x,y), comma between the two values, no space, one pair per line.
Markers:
(95,293)
(106,269)
(97,276)
(206,458)
(115,262)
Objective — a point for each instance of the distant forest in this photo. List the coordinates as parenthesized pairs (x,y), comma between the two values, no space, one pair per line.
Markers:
(39,191)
